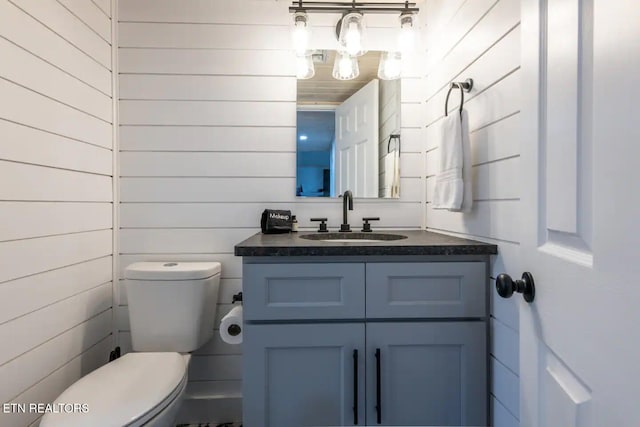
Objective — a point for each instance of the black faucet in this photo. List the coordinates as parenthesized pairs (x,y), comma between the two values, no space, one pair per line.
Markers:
(347,196)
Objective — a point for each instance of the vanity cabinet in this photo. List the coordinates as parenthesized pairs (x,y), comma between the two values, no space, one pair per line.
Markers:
(329,343)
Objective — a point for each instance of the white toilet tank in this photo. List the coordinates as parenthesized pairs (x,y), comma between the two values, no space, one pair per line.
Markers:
(172,305)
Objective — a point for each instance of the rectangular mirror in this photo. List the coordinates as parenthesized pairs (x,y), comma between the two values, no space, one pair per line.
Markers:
(348,132)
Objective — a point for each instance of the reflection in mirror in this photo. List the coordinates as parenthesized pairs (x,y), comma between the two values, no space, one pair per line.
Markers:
(348,132)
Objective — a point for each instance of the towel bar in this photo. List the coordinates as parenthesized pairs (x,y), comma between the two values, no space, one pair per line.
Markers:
(391,138)
(464,86)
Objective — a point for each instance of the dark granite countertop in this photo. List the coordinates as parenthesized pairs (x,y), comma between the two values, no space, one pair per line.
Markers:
(418,242)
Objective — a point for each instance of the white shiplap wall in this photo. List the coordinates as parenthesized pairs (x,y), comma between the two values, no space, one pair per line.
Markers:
(55,197)
(207,141)
(480,39)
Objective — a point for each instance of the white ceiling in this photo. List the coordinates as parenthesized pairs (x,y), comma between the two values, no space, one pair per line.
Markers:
(323,89)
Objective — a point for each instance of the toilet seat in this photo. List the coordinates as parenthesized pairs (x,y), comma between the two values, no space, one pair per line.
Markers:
(129,391)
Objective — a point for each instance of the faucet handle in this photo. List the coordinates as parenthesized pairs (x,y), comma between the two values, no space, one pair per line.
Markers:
(323,224)
(366,227)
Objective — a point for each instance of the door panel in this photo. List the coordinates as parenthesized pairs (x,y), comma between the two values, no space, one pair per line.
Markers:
(566,140)
(564,399)
(300,378)
(431,373)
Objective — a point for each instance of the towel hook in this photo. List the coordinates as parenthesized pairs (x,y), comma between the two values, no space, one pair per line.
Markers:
(465,86)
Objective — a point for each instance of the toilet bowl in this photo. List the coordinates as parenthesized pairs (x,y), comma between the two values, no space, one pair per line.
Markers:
(171,310)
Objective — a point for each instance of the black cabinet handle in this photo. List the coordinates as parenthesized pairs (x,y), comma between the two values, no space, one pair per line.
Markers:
(355,387)
(378,388)
(507,286)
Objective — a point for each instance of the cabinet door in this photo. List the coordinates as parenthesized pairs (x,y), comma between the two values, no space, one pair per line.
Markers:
(303,291)
(426,290)
(430,374)
(303,375)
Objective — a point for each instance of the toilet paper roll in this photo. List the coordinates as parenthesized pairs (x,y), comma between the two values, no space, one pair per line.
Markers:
(231,326)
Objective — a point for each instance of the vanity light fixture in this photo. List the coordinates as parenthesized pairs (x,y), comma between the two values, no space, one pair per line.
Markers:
(301,33)
(407,35)
(390,67)
(352,33)
(345,67)
(304,67)
(345,7)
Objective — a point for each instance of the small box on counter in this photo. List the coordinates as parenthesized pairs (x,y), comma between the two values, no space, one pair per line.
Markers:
(275,221)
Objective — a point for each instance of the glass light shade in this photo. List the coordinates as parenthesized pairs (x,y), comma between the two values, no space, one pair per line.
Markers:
(390,67)
(345,67)
(304,67)
(352,34)
(408,34)
(300,34)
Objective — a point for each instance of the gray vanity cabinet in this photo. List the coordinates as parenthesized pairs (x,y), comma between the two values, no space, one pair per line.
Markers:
(418,330)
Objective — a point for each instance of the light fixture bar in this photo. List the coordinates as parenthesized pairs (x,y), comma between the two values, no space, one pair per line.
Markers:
(341,7)
(352,4)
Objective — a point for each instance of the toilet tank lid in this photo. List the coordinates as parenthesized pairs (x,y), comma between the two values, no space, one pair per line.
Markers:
(170,270)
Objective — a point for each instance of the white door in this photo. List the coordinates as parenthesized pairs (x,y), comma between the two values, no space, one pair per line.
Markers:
(357,143)
(580,338)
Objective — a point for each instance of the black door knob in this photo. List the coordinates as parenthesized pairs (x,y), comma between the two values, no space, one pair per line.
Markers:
(506,286)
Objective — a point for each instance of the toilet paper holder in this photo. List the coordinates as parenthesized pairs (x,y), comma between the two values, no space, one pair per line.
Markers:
(233,329)
(237,298)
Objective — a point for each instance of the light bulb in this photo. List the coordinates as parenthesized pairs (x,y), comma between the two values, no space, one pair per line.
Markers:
(301,34)
(352,39)
(352,34)
(345,67)
(407,34)
(304,67)
(390,66)
(406,40)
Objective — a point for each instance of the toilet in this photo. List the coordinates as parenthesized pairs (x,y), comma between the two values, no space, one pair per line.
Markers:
(172,308)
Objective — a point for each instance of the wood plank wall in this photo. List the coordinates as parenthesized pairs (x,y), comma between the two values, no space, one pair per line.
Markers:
(207,141)
(481,39)
(55,197)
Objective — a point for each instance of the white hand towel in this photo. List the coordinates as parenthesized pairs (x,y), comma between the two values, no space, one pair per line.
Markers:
(395,188)
(453,181)
(467,198)
(389,165)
